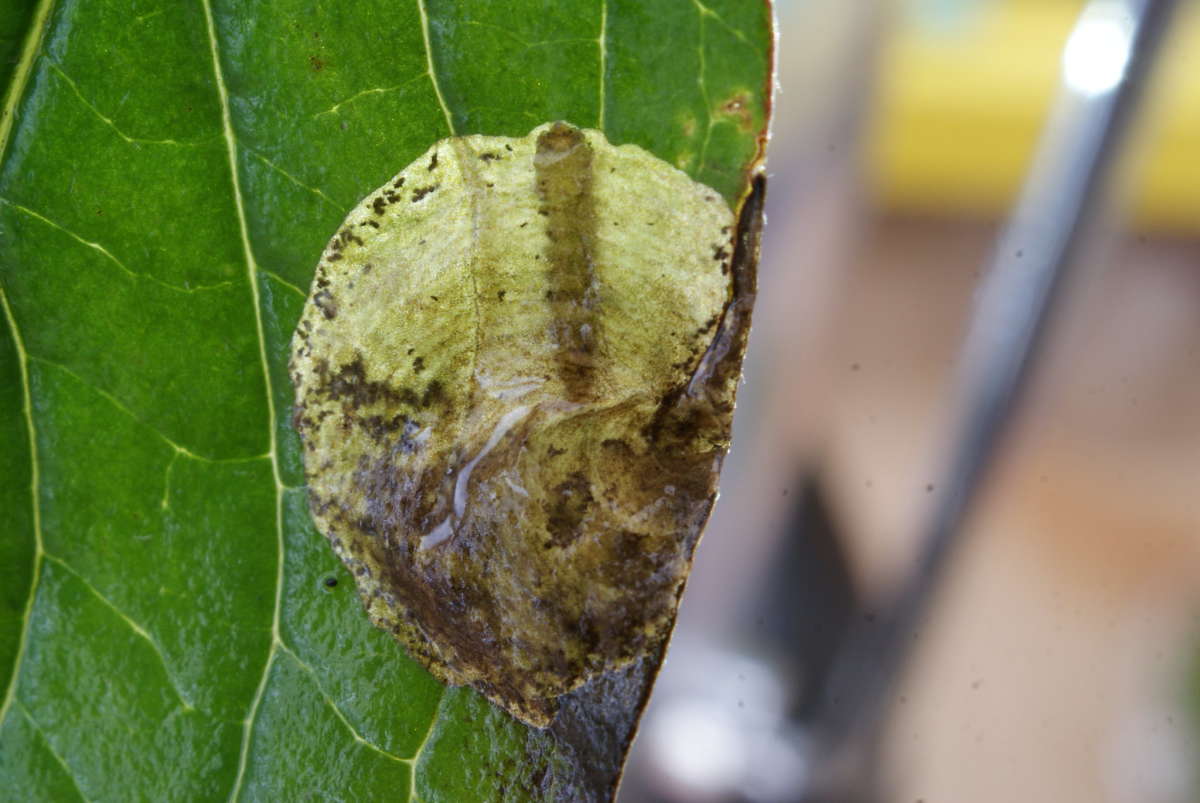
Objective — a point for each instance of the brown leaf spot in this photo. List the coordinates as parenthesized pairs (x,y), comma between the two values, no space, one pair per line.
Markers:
(737,109)
(421,192)
(569,504)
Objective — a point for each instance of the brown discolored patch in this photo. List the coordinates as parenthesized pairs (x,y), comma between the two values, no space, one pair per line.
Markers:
(323,300)
(517,480)
(737,109)
(568,504)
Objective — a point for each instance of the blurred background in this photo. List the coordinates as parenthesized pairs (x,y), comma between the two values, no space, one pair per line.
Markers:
(1061,660)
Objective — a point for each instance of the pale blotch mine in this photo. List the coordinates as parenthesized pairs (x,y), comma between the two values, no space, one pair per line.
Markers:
(515,376)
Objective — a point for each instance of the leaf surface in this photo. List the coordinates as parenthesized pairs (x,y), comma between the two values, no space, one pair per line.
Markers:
(172,627)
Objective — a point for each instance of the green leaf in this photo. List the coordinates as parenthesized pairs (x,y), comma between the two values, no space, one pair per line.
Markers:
(169,624)
(15,16)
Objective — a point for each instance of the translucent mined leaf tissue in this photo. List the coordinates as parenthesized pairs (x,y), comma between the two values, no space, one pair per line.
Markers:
(515,376)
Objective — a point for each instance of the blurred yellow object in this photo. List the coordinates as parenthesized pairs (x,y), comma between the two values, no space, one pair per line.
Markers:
(961,105)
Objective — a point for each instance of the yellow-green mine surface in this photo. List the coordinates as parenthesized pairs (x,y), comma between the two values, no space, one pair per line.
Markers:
(514,377)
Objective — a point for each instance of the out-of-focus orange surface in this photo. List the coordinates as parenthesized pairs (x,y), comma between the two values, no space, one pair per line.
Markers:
(961,101)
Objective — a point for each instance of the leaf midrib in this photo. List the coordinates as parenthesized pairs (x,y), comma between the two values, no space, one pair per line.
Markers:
(272,451)
(252,274)
(437,89)
(20,77)
(16,90)
(34,491)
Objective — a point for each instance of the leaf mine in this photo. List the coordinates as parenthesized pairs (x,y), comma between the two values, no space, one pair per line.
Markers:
(515,377)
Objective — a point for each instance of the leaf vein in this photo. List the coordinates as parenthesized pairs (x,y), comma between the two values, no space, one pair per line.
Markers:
(104,251)
(231,147)
(74,87)
(20,76)
(62,762)
(273,275)
(375,90)
(525,43)
(35,500)
(337,711)
(319,193)
(737,32)
(165,502)
(416,758)
(704,12)
(131,622)
(437,89)
(602,45)
(124,409)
